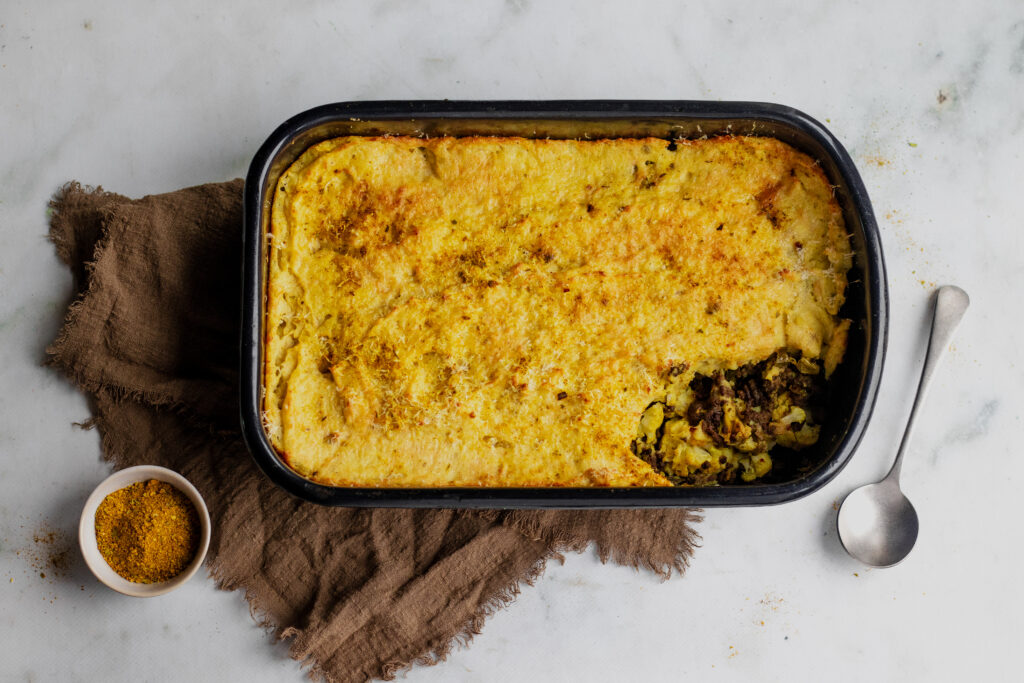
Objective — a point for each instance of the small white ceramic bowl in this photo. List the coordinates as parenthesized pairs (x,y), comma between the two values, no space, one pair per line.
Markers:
(87,530)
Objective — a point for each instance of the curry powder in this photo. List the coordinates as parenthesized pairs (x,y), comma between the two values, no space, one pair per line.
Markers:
(147,532)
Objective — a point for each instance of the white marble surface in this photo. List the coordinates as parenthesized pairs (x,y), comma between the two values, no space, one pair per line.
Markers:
(927,97)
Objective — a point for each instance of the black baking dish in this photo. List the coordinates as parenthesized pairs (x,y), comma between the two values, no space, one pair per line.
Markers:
(854,386)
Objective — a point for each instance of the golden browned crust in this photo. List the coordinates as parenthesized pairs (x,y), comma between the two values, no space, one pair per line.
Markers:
(501,311)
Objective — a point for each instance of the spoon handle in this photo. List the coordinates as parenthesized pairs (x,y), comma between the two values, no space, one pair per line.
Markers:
(950,305)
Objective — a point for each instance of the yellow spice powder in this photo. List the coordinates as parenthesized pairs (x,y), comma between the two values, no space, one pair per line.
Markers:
(147,532)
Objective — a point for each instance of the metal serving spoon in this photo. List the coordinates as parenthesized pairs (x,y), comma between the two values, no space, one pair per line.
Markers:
(877,524)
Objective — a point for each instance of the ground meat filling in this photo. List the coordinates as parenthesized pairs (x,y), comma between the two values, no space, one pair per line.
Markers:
(719,428)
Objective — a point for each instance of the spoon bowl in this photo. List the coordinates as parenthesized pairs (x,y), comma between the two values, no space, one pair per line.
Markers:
(878,525)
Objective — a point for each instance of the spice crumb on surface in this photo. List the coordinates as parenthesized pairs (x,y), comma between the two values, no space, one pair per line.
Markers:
(147,532)
(52,552)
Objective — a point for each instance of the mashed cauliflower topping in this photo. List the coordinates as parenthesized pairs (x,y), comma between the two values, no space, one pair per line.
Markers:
(517,312)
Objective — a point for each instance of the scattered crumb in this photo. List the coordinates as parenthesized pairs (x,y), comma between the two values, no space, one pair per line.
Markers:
(911,144)
(51,554)
(835,504)
(877,160)
(771,601)
(856,574)
(942,97)
(87,24)
(58,549)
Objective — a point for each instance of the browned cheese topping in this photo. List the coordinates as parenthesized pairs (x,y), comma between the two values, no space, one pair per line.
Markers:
(517,312)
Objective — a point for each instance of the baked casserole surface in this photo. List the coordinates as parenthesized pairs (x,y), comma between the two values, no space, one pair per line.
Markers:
(519,312)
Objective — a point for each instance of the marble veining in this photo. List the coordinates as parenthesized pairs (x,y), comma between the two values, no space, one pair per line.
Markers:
(967,431)
(927,97)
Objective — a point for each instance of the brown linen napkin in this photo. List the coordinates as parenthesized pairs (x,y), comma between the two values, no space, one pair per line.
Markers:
(153,339)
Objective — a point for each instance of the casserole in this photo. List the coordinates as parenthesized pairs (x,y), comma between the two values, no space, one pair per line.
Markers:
(851,392)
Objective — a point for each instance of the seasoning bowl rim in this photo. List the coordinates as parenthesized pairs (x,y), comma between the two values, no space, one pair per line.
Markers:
(87,530)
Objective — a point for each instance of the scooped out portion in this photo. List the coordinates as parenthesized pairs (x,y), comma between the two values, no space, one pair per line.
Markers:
(721,427)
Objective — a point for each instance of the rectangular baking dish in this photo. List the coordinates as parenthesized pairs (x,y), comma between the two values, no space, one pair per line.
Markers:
(853,388)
